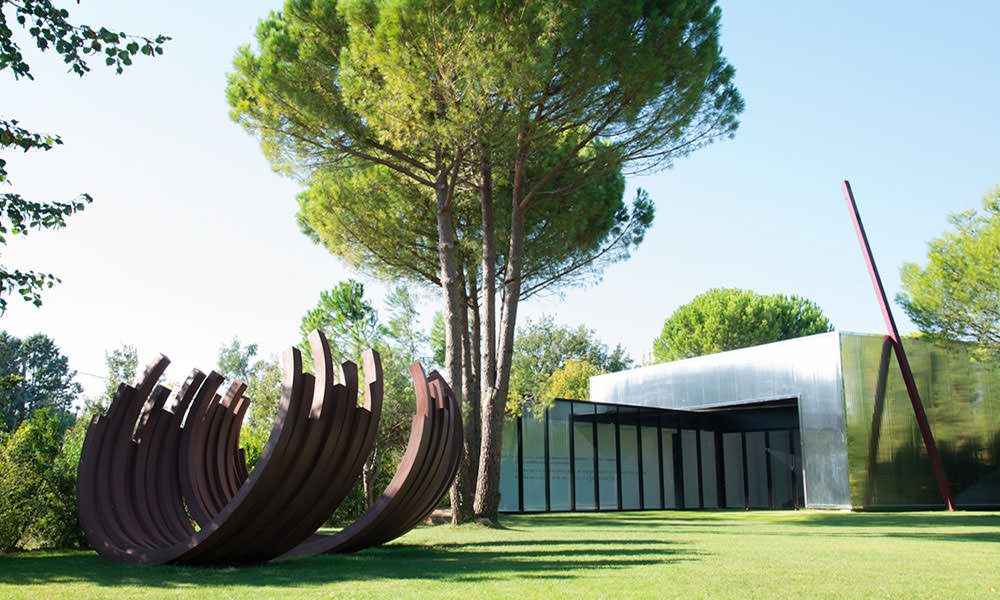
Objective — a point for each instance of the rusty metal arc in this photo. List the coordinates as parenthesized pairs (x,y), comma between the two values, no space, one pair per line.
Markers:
(163,482)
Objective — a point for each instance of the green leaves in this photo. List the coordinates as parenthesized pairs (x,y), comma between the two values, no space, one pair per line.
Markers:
(37,486)
(44,378)
(956,297)
(728,318)
(346,317)
(550,361)
(571,381)
(263,380)
(14,136)
(18,216)
(50,28)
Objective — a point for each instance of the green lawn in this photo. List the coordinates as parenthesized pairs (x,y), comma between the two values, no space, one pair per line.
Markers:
(805,554)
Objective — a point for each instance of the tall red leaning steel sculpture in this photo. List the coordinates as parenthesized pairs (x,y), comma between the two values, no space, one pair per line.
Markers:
(167,483)
(895,342)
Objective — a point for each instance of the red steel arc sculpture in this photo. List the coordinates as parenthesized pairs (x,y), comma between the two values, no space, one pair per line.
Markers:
(167,483)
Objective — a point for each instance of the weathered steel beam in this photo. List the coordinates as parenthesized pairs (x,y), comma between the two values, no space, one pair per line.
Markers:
(897,343)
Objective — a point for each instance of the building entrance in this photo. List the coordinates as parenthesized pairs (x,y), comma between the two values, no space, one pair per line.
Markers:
(585,456)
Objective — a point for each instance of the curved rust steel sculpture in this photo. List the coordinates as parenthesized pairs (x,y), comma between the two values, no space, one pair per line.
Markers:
(169,484)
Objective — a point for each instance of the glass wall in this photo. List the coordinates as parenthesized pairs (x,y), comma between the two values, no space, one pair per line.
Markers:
(689,470)
(755,451)
(709,481)
(580,456)
(732,451)
(782,469)
(671,491)
(887,460)
(560,478)
(584,458)
(509,477)
(533,463)
(628,441)
(652,488)
(607,456)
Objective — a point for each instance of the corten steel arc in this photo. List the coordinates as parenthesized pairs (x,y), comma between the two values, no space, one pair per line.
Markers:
(897,346)
(421,481)
(171,485)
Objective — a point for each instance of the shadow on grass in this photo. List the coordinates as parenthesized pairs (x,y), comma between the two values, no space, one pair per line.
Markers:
(937,526)
(465,562)
(618,519)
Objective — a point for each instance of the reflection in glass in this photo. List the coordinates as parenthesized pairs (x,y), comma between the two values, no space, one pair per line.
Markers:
(781,468)
(583,455)
(628,440)
(709,482)
(886,457)
(689,458)
(732,458)
(607,459)
(559,481)
(669,477)
(650,468)
(533,462)
(756,451)
(508,467)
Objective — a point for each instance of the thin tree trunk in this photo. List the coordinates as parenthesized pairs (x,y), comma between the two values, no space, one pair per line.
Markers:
(488,357)
(475,333)
(450,286)
(473,374)
(369,474)
(488,480)
(462,487)
(487,341)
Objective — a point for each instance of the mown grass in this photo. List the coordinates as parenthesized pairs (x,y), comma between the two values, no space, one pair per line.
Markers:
(805,554)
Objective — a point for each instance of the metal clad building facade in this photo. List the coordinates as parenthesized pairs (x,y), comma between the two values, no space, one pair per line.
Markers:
(730,429)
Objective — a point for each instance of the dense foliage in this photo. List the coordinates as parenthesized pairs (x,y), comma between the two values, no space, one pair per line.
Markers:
(957,295)
(571,381)
(38,486)
(551,360)
(38,460)
(37,376)
(729,318)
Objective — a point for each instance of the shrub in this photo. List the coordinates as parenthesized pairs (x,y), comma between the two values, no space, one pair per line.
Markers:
(38,486)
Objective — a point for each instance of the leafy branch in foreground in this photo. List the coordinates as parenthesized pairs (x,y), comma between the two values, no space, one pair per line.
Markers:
(50,28)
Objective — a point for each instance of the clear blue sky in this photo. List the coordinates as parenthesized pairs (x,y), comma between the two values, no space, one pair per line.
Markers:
(192,239)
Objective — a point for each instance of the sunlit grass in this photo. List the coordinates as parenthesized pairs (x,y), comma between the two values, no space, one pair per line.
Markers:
(804,554)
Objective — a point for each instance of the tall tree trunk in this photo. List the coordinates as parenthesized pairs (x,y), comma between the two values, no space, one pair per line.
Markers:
(487,341)
(472,383)
(451,287)
(488,480)
(488,348)
(462,487)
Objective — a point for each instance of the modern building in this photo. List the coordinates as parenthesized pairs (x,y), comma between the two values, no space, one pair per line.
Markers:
(822,421)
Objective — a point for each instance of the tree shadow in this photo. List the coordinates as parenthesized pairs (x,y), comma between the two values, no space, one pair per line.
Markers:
(464,562)
(941,526)
(618,519)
